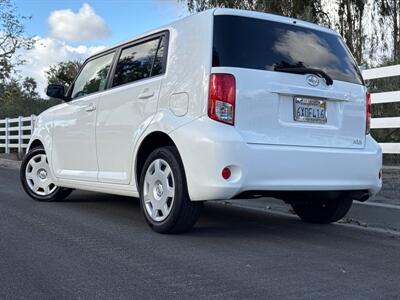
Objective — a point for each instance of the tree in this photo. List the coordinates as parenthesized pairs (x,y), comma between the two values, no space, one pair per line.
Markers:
(64,72)
(351,26)
(29,86)
(16,98)
(22,99)
(12,38)
(389,11)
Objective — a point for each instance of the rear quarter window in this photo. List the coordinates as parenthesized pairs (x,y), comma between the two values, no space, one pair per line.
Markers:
(260,44)
(141,61)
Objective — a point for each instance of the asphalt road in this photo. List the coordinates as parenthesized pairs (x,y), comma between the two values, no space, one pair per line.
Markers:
(98,246)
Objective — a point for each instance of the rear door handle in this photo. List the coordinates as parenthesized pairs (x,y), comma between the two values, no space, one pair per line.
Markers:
(90,108)
(146,94)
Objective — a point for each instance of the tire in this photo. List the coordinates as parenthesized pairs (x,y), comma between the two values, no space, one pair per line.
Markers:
(164,197)
(323,210)
(36,178)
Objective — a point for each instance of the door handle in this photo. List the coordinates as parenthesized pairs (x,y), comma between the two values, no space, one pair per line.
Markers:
(146,94)
(90,108)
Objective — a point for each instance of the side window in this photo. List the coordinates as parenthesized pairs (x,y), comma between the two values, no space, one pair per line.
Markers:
(158,67)
(93,77)
(136,62)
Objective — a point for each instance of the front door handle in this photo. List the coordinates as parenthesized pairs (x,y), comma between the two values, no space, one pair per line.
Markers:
(146,94)
(90,108)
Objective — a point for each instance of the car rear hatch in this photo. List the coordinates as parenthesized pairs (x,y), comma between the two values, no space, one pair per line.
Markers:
(295,84)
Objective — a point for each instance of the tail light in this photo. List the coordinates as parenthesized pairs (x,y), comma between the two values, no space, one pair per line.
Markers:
(368,112)
(221,98)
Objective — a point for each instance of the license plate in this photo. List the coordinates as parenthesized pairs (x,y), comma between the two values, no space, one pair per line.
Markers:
(309,110)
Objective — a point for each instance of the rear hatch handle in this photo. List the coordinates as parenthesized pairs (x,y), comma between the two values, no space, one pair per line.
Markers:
(304,70)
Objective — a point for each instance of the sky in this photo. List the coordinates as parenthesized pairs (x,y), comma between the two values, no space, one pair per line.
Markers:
(76,29)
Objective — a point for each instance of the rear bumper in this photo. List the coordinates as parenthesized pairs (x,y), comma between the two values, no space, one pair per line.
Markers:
(206,147)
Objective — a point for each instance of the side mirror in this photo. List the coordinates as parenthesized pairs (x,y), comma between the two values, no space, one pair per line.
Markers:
(56,91)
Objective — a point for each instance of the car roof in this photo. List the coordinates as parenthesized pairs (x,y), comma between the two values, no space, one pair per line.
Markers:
(222,11)
(271,17)
(167,26)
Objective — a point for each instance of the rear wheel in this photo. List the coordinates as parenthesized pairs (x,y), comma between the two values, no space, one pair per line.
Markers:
(37,180)
(163,193)
(323,210)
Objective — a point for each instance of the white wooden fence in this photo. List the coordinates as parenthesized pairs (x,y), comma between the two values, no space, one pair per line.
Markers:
(15,133)
(387,97)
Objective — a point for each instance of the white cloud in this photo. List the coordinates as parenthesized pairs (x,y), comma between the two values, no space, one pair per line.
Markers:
(50,51)
(81,26)
(171,9)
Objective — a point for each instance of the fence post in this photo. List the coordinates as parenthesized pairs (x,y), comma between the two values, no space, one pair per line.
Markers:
(32,124)
(7,150)
(20,140)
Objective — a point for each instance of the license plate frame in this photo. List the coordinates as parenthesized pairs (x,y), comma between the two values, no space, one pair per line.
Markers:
(310,110)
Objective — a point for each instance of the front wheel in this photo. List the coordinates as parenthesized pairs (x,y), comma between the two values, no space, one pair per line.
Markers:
(323,210)
(163,193)
(37,180)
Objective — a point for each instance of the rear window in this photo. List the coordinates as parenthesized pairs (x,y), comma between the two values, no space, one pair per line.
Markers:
(259,44)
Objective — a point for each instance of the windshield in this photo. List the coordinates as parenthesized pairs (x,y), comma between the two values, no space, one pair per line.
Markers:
(266,45)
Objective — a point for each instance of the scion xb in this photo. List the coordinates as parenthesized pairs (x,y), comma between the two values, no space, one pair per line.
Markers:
(220,105)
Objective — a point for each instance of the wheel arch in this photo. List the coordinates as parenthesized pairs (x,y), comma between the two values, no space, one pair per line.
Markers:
(152,141)
(34,144)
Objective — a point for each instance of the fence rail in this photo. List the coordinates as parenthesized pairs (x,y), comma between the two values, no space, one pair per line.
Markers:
(15,133)
(382,72)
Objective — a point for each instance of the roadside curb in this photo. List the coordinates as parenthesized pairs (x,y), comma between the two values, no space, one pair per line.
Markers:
(380,215)
(9,163)
(365,214)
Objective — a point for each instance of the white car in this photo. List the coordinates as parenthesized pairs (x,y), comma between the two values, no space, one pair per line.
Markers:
(219,105)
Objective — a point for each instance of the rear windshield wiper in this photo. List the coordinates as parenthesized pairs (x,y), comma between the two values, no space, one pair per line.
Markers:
(305,70)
